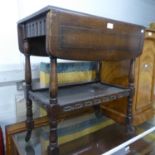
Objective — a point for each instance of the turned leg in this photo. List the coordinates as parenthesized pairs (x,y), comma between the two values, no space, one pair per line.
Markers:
(129,126)
(53,109)
(53,137)
(29,120)
(28,80)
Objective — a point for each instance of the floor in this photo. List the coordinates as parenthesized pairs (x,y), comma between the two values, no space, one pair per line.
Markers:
(93,144)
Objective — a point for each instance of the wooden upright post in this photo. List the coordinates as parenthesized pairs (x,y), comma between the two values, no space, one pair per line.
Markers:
(129,127)
(28,80)
(53,109)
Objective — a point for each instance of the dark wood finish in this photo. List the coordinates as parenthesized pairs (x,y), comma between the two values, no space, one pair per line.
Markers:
(130,128)
(98,71)
(53,113)
(86,39)
(53,86)
(53,109)
(12,129)
(80,96)
(52,32)
(28,80)
(96,41)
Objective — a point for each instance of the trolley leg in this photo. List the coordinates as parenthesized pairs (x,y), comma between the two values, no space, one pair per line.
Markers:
(129,117)
(53,148)
(29,113)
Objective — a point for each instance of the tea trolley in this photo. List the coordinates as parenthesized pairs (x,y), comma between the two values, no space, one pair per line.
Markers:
(60,33)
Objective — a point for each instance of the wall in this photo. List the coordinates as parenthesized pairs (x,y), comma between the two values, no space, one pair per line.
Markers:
(11,61)
(134,11)
(139,11)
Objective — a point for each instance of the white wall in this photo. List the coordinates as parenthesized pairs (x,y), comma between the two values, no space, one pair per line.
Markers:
(8,35)
(134,11)
(11,62)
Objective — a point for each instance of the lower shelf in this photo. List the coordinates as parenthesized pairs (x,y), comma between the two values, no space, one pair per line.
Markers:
(80,96)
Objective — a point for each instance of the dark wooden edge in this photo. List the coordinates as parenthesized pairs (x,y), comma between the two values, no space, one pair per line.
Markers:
(39,122)
(20,127)
(56,48)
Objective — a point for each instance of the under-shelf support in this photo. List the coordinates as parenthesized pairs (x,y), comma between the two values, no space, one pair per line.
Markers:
(28,80)
(53,108)
(129,126)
